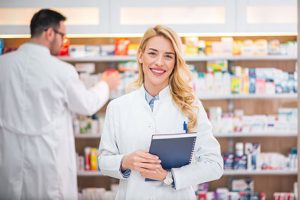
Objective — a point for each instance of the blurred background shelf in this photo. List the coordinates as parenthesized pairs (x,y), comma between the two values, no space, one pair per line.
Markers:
(112,58)
(257,134)
(226,172)
(224,135)
(261,172)
(91,136)
(275,20)
(249,96)
(88,173)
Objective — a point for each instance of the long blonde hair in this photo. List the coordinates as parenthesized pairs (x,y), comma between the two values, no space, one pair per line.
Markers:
(181,91)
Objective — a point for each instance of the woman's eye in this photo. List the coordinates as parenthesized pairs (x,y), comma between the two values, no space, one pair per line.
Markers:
(169,56)
(152,53)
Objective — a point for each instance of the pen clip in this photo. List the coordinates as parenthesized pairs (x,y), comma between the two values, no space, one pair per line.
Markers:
(185,128)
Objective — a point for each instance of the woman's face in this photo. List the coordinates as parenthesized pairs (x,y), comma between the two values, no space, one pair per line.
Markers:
(158,61)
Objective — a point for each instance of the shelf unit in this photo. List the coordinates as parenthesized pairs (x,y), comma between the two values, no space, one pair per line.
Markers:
(113,58)
(88,173)
(226,173)
(260,172)
(257,134)
(267,181)
(220,135)
(249,96)
(281,139)
(87,136)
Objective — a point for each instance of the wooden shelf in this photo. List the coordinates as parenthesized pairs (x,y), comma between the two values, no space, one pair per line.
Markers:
(88,173)
(277,141)
(226,172)
(259,172)
(221,135)
(257,134)
(292,96)
(87,136)
(98,58)
(187,58)
(235,58)
(249,96)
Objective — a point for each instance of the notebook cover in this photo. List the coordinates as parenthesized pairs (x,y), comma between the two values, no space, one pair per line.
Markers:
(174,150)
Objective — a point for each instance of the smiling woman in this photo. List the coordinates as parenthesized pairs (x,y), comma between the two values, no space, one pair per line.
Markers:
(158,60)
(160,51)
(162,102)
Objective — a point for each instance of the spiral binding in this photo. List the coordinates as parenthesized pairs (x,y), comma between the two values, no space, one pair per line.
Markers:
(193,150)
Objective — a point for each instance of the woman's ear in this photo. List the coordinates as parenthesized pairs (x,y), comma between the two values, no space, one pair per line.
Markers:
(140,55)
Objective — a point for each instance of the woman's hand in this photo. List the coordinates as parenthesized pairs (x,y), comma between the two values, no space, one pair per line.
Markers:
(158,174)
(140,161)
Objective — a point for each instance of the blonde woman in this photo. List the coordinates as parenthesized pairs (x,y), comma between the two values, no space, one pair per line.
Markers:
(162,102)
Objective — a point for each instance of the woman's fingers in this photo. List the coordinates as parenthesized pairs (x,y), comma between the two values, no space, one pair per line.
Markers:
(148,172)
(147,155)
(147,166)
(144,160)
(141,159)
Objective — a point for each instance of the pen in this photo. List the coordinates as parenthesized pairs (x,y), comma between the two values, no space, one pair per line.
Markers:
(185,128)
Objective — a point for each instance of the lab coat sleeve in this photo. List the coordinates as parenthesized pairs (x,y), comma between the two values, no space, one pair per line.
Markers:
(207,164)
(109,156)
(85,101)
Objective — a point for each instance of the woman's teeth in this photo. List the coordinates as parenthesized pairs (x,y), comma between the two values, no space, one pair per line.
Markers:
(157,71)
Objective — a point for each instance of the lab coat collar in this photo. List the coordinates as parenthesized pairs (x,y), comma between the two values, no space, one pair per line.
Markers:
(164,93)
(148,97)
(35,48)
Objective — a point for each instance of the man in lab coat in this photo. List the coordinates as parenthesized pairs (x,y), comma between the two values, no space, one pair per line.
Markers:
(38,92)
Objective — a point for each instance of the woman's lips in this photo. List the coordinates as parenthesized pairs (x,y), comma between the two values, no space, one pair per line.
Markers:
(157,71)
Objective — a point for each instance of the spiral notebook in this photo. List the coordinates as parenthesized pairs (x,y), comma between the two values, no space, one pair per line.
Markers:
(174,150)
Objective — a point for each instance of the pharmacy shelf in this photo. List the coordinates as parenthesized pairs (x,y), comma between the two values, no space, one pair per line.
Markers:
(91,136)
(187,58)
(98,58)
(258,134)
(236,58)
(259,172)
(88,173)
(222,135)
(292,96)
(226,172)
(249,96)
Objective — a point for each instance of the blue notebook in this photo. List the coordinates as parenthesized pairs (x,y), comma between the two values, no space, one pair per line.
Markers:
(174,150)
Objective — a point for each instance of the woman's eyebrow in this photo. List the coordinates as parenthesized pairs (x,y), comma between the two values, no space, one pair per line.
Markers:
(170,53)
(152,49)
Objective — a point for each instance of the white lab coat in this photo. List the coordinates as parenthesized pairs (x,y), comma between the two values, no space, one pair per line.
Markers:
(128,127)
(37,94)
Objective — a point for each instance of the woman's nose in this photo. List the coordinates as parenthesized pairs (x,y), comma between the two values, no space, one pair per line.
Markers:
(159,61)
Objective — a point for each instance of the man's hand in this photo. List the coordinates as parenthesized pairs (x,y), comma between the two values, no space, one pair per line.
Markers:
(112,79)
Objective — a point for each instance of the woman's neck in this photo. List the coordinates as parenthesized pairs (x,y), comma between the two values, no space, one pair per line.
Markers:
(154,90)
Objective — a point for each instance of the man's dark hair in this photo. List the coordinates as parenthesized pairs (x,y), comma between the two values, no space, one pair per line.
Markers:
(44,19)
